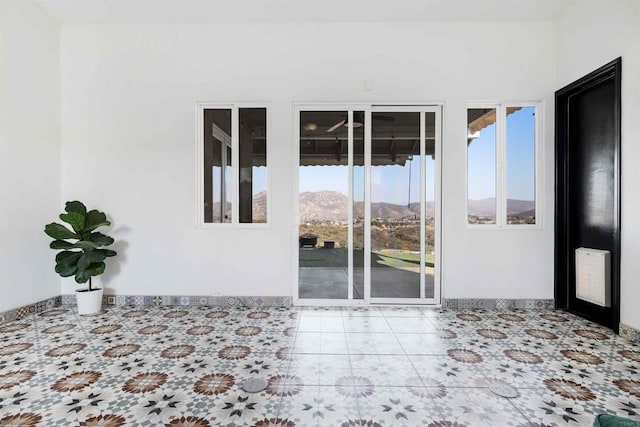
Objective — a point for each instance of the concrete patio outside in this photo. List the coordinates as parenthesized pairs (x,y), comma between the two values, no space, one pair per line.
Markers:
(322,274)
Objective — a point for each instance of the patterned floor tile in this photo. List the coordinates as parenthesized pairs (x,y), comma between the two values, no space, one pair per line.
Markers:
(411,325)
(423,344)
(373,343)
(319,369)
(383,370)
(320,406)
(448,371)
(320,324)
(320,342)
(324,366)
(366,324)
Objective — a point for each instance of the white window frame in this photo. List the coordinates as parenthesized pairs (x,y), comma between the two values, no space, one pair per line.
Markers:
(235,156)
(501,164)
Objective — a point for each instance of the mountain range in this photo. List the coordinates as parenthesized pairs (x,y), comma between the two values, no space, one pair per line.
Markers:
(332,206)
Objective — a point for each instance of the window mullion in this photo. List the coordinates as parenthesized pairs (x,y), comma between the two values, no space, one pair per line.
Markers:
(501,176)
(235,165)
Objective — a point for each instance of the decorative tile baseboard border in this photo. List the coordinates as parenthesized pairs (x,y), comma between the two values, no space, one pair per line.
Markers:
(22,312)
(498,304)
(630,333)
(169,300)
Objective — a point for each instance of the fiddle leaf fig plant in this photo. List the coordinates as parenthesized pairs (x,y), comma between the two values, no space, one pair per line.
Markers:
(82,253)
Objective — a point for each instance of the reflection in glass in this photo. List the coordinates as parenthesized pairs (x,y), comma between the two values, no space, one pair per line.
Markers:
(253,165)
(217,165)
(395,205)
(481,165)
(323,205)
(521,207)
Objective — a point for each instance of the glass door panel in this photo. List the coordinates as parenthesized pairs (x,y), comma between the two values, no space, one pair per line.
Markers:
(395,205)
(323,205)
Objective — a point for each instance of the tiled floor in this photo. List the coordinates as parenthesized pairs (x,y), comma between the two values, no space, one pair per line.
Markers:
(325,367)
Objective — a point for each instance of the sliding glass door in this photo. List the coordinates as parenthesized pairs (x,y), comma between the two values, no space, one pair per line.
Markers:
(368,203)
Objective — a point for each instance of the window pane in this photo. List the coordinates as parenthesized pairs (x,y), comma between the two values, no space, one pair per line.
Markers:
(521,205)
(395,205)
(323,205)
(481,165)
(217,165)
(253,165)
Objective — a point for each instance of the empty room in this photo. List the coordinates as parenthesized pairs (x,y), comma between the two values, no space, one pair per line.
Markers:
(319,213)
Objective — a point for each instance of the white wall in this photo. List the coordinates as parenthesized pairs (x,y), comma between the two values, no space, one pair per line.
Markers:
(589,36)
(29,152)
(128,126)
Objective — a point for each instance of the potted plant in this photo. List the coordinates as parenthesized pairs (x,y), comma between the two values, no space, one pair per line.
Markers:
(82,253)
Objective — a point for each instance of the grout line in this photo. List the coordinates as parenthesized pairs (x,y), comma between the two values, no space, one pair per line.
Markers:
(290,355)
(352,375)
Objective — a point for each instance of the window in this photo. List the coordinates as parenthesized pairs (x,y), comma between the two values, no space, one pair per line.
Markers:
(232,149)
(481,165)
(520,141)
(501,164)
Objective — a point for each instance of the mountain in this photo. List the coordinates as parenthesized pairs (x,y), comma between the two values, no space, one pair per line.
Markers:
(487,207)
(520,207)
(259,207)
(332,206)
(482,207)
(323,206)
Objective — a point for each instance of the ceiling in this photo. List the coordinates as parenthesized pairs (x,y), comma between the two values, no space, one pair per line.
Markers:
(297,11)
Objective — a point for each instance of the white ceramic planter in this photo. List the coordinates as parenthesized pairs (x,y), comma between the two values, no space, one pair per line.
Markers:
(89,302)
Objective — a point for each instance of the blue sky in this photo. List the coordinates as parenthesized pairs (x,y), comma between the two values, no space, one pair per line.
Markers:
(521,154)
(481,165)
(520,159)
(259,179)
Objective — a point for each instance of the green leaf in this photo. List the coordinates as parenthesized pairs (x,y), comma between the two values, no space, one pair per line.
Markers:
(91,257)
(62,244)
(96,268)
(68,257)
(75,220)
(100,239)
(109,252)
(67,263)
(65,270)
(59,231)
(82,276)
(86,245)
(104,253)
(95,219)
(76,207)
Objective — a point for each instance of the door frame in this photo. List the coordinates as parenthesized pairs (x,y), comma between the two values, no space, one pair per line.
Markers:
(368,108)
(563,254)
